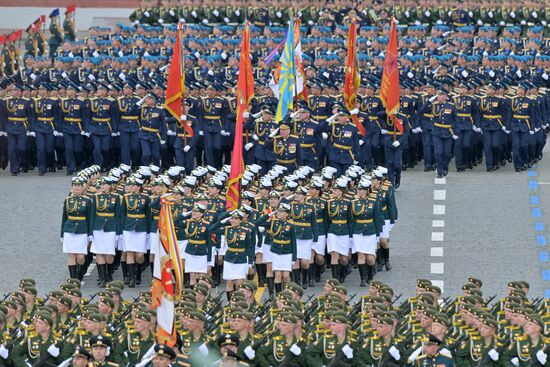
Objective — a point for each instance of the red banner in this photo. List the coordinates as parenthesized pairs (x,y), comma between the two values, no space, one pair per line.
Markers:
(389,88)
(71,8)
(353,80)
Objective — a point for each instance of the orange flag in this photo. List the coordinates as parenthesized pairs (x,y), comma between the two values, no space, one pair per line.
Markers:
(245,92)
(353,79)
(176,82)
(389,88)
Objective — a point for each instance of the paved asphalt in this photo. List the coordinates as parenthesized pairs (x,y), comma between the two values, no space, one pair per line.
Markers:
(488,225)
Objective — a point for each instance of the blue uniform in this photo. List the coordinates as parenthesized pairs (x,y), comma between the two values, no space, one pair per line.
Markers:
(343,149)
(445,123)
(424,120)
(371,107)
(523,121)
(16,115)
(73,114)
(260,128)
(467,115)
(183,139)
(101,124)
(44,121)
(211,114)
(394,154)
(493,115)
(310,141)
(152,132)
(287,151)
(128,127)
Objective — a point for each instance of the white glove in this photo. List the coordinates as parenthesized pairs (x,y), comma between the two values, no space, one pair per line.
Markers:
(515,361)
(414,356)
(531,132)
(545,76)
(491,73)
(249,352)
(361,142)
(296,350)
(248,146)
(58,134)
(490,14)
(186,148)
(114,134)
(53,350)
(384,131)
(493,354)
(257,114)
(541,357)
(394,352)
(503,128)
(205,21)
(518,73)
(162,142)
(194,14)
(91,76)
(226,19)
(325,136)
(247,207)
(355,111)
(64,75)
(255,137)
(332,118)
(210,72)
(272,135)
(446,352)
(216,12)
(55,133)
(348,352)
(140,102)
(431,99)
(183,117)
(310,22)
(455,137)
(4,353)
(537,129)
(246,114)
(201,133)
(203,349)
(278,14)
(147,14)
(261,229)
(169,133)
(427,13)
(225,220)
(186,214)
(171,12)
(479,22)
(223,132)
(396,144)
(237,12)
(523,22)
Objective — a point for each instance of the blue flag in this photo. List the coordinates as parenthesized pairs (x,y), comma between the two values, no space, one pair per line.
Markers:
(54,13)
(287,76)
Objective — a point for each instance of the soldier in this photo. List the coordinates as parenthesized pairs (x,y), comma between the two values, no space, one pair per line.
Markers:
(45,125)
(467,118)
(80,358)
(152,133)
(187,139)
(73,114)
(100,346)
(128,125)
(285,146)
(56,37)
(16,113)
(211,110)
(523,123)
(75,227)
(262,125)
(133,343)
(431,356)
(283,346)
(307,130)
(102,125)
(394,140)
(338,232)
(445,123)
(69,27)
(370,109)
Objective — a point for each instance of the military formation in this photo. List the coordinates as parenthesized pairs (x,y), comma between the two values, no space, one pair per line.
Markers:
(329,328)
(474,86)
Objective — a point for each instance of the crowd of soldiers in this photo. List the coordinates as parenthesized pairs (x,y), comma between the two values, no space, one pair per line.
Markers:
(329,328)
(474,85)
(287,225)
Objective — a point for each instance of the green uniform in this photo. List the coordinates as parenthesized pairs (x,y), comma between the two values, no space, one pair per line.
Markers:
(31,349)
(131,347)
(135,213)
(437,360)
(282,233)
(339,217)
(304,221)
(76,215)
(326,348)
(105,213)
(274,352)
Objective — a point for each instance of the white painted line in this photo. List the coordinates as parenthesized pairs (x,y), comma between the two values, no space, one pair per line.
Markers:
(437,268)
(436,251)
(438,236)
(439,283)
(440,194)
(438,223)
(543,183)
(90,269)
(439,209)
(440,181)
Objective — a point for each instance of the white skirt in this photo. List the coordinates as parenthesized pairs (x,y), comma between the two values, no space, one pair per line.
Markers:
(234,271)
(281,262)
(75,243)
(196,263)
(320,246)
(120,244)
(104,243)
(182,246)
(339,244)
(268,255)
(153,242)
(135,241)
(364,244)
(303,249)
(386,228)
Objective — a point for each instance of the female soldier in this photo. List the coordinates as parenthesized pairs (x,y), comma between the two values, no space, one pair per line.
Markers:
(135,228)
(304,220)
(158,188)
(75,227)
(318,247)
(105,223)
(198,252)
(366,227)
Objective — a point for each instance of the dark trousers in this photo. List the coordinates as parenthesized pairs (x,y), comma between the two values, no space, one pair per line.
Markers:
(393,161)
(464,149)
(102,148)
(186,159)
(428,144)
(491,147)
(150,152)
(44,150)
(340,167)
(213,149)
(73,150)
(442,152)
(129,147)
(520,148)
(17,149)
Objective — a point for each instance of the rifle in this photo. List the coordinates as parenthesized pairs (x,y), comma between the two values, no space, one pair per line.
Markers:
(499,350)
(5,297)
(396,299)
(338,357)
(120,319)
(490,300)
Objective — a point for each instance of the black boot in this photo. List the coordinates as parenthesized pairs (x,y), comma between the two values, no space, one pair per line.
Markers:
(343,273)
(228,293)
(137,269)
(215,275)
(335,272)
(318,269)
(278,288)
(72,271)
(305,273)
(370,273)
(311,275)
(108,273)
(250,276)
(379,260)
(270,286)
(386,255)
(187,281)
(362,273)
(219,275)
(131,275)
(296,276)
(102,275)
(124,266)
(259,271)
(80,271)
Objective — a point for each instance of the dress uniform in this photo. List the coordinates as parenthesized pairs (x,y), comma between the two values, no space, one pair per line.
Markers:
(424,119)
(128,119)
(152,132)
(394,141)
(523,121)
(73,115)
(343,138)
(102,125)
(198,251)
(186,142)
(286,147)
(16,112)
(134,342)
(493,116)
(45,124)
(467,112)
(261,127)
(212,110)
(370,109)
(38,345)
(56,37)
(69,28)
(310,138)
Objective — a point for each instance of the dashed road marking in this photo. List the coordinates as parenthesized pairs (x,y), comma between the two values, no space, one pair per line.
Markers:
(436,251)
(439,210)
